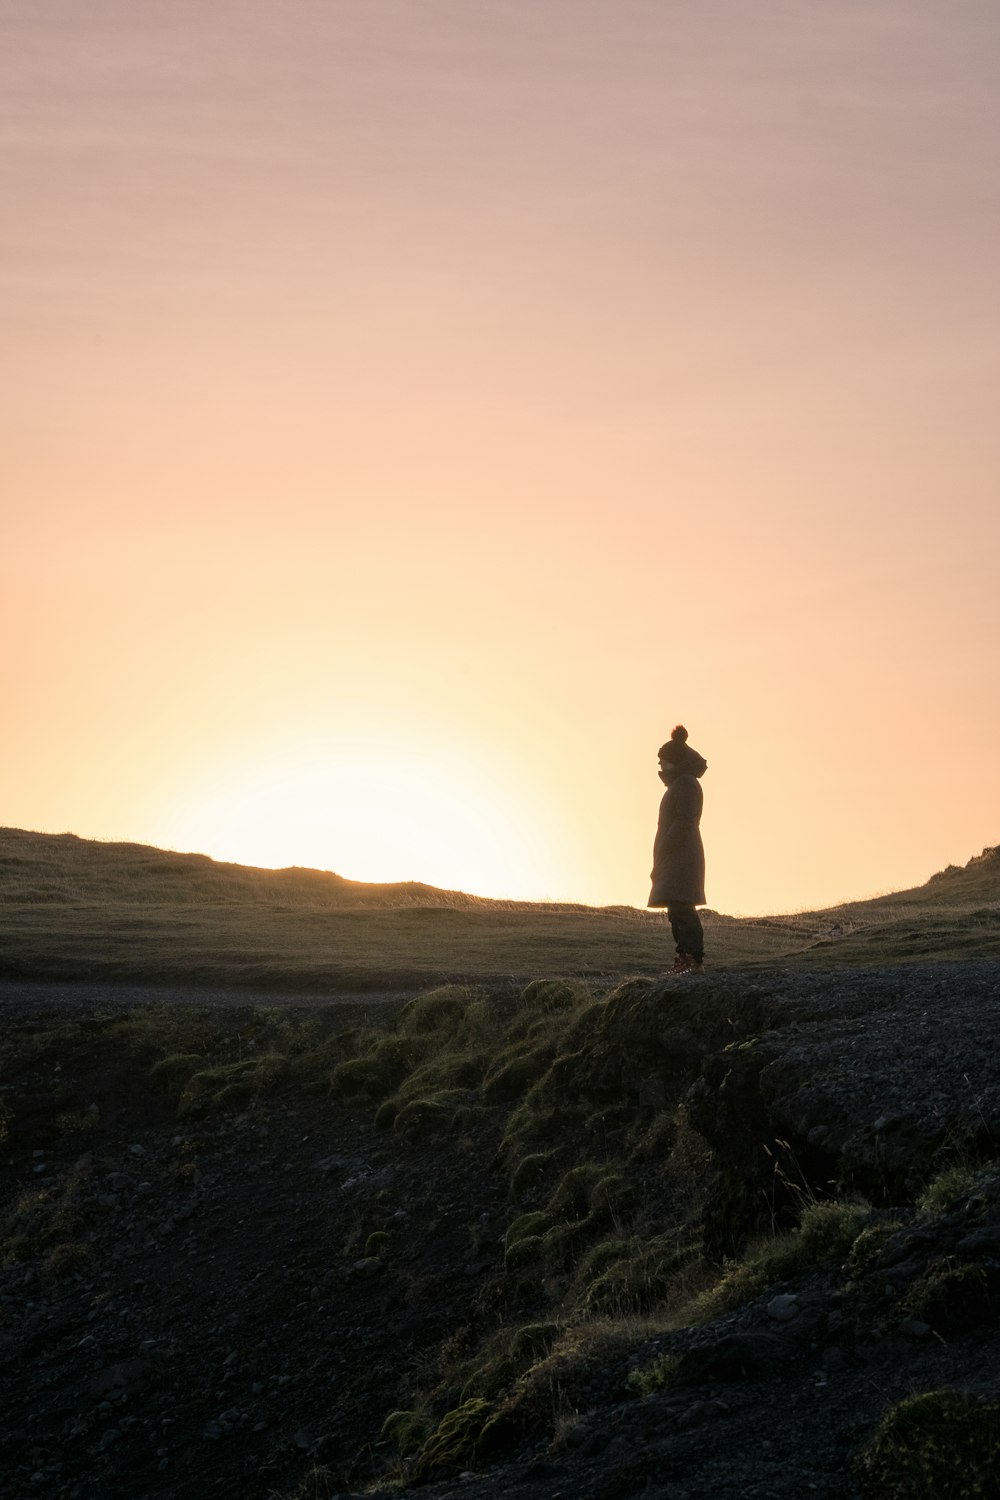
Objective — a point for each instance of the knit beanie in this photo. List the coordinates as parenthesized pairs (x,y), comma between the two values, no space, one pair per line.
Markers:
(680,756)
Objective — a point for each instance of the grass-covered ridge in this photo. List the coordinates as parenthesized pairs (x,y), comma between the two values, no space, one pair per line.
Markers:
(79,909)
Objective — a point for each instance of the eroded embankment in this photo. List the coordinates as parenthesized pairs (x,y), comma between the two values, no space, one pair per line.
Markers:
(494,1234)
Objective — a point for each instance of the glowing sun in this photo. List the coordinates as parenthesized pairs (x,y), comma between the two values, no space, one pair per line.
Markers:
(368,815)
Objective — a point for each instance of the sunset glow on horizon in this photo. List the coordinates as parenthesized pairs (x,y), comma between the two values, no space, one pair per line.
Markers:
(410,412)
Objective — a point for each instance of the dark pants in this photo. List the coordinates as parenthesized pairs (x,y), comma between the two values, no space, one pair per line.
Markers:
(685,924)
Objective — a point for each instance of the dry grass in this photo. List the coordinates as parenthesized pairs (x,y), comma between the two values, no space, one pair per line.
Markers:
(78,909)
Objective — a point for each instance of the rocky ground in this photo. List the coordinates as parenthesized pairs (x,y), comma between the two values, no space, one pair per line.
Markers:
(229,1300)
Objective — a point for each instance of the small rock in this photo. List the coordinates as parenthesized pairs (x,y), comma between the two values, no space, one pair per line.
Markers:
(784,1307)
(913,1328)
(369,1265)
(136,1150)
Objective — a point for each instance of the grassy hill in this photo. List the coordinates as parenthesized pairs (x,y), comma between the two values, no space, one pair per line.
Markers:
(79,909)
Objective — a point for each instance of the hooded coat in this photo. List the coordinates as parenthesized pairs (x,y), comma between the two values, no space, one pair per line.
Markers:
(678,872)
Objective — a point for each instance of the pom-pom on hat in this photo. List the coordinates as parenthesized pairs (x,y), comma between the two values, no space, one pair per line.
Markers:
(680,756)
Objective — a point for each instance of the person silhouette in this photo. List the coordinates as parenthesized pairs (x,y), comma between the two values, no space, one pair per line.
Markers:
(678,872)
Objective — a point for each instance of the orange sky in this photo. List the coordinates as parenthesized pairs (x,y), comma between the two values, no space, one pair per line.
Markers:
(411,410)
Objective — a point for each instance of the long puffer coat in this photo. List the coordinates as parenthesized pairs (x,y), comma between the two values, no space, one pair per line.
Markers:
(678,854)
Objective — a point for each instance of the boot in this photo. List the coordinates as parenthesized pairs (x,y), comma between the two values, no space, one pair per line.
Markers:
(682,963)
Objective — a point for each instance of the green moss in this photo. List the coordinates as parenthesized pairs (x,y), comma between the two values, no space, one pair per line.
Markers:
(405,1431)
(233,1085)
(378,1072)
(524,1253)
(511,1077)
(554,1383)
(942,1445)
(533,1341)
(385,1115)
(574,1193)
(491,1377)
(546,995)
(827,1231)
(462,1070)
(527,1226)
(600,1257)
(454,1442)
(592,1188)
(532,1172)
(869,1244)
(377,1242)
(638,1281)
(171,1074)
(421,1119)
(439,1010)
(655,1376)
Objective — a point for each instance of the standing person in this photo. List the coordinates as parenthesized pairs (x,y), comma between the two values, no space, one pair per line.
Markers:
(678,873)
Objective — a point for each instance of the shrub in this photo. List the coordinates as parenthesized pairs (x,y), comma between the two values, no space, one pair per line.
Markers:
(947,1189)
(869,1244)
(827,1230)
(654,1376)
(942,1445)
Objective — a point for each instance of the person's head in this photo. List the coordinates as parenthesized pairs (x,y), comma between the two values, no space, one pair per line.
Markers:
(677,758)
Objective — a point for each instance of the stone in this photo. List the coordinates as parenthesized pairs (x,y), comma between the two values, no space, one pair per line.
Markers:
(784,1307)
(369,1265)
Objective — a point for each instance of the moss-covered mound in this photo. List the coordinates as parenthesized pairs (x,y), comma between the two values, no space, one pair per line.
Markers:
(942,1445)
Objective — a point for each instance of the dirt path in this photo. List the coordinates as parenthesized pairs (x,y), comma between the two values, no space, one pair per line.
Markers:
(25,998)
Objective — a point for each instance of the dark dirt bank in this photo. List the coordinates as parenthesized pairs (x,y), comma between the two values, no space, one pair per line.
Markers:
(530,1226)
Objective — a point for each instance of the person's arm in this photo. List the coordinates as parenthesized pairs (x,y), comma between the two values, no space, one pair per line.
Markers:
(662,830)
(686,801)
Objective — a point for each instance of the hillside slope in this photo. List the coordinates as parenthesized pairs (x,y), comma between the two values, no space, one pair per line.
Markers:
(79,909)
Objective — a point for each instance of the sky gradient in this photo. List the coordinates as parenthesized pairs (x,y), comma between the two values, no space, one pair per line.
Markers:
(411,409)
